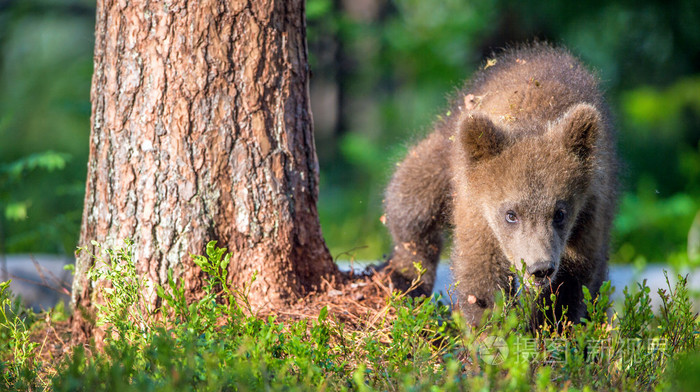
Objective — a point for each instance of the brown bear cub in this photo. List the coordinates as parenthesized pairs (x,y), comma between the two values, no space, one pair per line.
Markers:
(523,169)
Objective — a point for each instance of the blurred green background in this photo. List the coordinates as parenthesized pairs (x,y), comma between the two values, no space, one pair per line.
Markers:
(382,72)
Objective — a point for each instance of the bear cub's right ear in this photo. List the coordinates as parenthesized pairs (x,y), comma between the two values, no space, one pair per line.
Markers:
(480,138)
(581,128)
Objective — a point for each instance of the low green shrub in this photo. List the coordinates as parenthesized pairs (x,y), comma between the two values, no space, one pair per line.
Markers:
(21,371)
(218,343)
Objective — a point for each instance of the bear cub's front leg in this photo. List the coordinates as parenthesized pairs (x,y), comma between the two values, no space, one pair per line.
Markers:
(416,211)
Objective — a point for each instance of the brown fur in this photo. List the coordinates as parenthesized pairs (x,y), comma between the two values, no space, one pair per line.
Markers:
(530,136)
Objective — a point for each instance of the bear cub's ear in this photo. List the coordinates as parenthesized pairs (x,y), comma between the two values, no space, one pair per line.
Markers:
(480,138)
(580,128)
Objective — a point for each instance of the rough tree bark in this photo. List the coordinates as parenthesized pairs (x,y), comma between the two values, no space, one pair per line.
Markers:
(201,130)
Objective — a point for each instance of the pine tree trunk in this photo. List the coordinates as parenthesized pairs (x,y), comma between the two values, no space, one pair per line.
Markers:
(201,130)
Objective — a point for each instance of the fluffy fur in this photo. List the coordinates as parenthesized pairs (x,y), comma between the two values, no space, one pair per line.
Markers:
(523,169)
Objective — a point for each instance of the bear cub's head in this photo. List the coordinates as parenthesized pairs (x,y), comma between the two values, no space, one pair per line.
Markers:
(530,182)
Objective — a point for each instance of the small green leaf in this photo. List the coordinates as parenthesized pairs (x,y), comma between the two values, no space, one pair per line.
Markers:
(225,261)
(17,211)
(4,286)
(316,9)
(586,293)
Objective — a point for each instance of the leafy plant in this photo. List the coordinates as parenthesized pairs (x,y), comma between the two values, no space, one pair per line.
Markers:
(18,364)
(13,172)
(216,342)
(14,208)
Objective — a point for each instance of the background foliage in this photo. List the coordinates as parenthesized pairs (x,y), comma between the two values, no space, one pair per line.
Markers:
(382,71)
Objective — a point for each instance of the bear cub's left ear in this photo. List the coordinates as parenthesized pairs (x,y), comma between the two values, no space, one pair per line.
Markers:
(480,138)
(580,127)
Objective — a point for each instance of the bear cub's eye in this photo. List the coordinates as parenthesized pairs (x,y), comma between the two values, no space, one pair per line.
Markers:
(511,217)
(559,216)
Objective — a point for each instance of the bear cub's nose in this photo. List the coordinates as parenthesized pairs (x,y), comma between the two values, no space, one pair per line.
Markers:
(541,270)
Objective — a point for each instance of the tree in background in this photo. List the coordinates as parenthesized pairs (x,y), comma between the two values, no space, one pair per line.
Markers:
(201,130)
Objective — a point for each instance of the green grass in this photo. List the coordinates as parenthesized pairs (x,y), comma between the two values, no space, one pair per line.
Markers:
(218,343)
